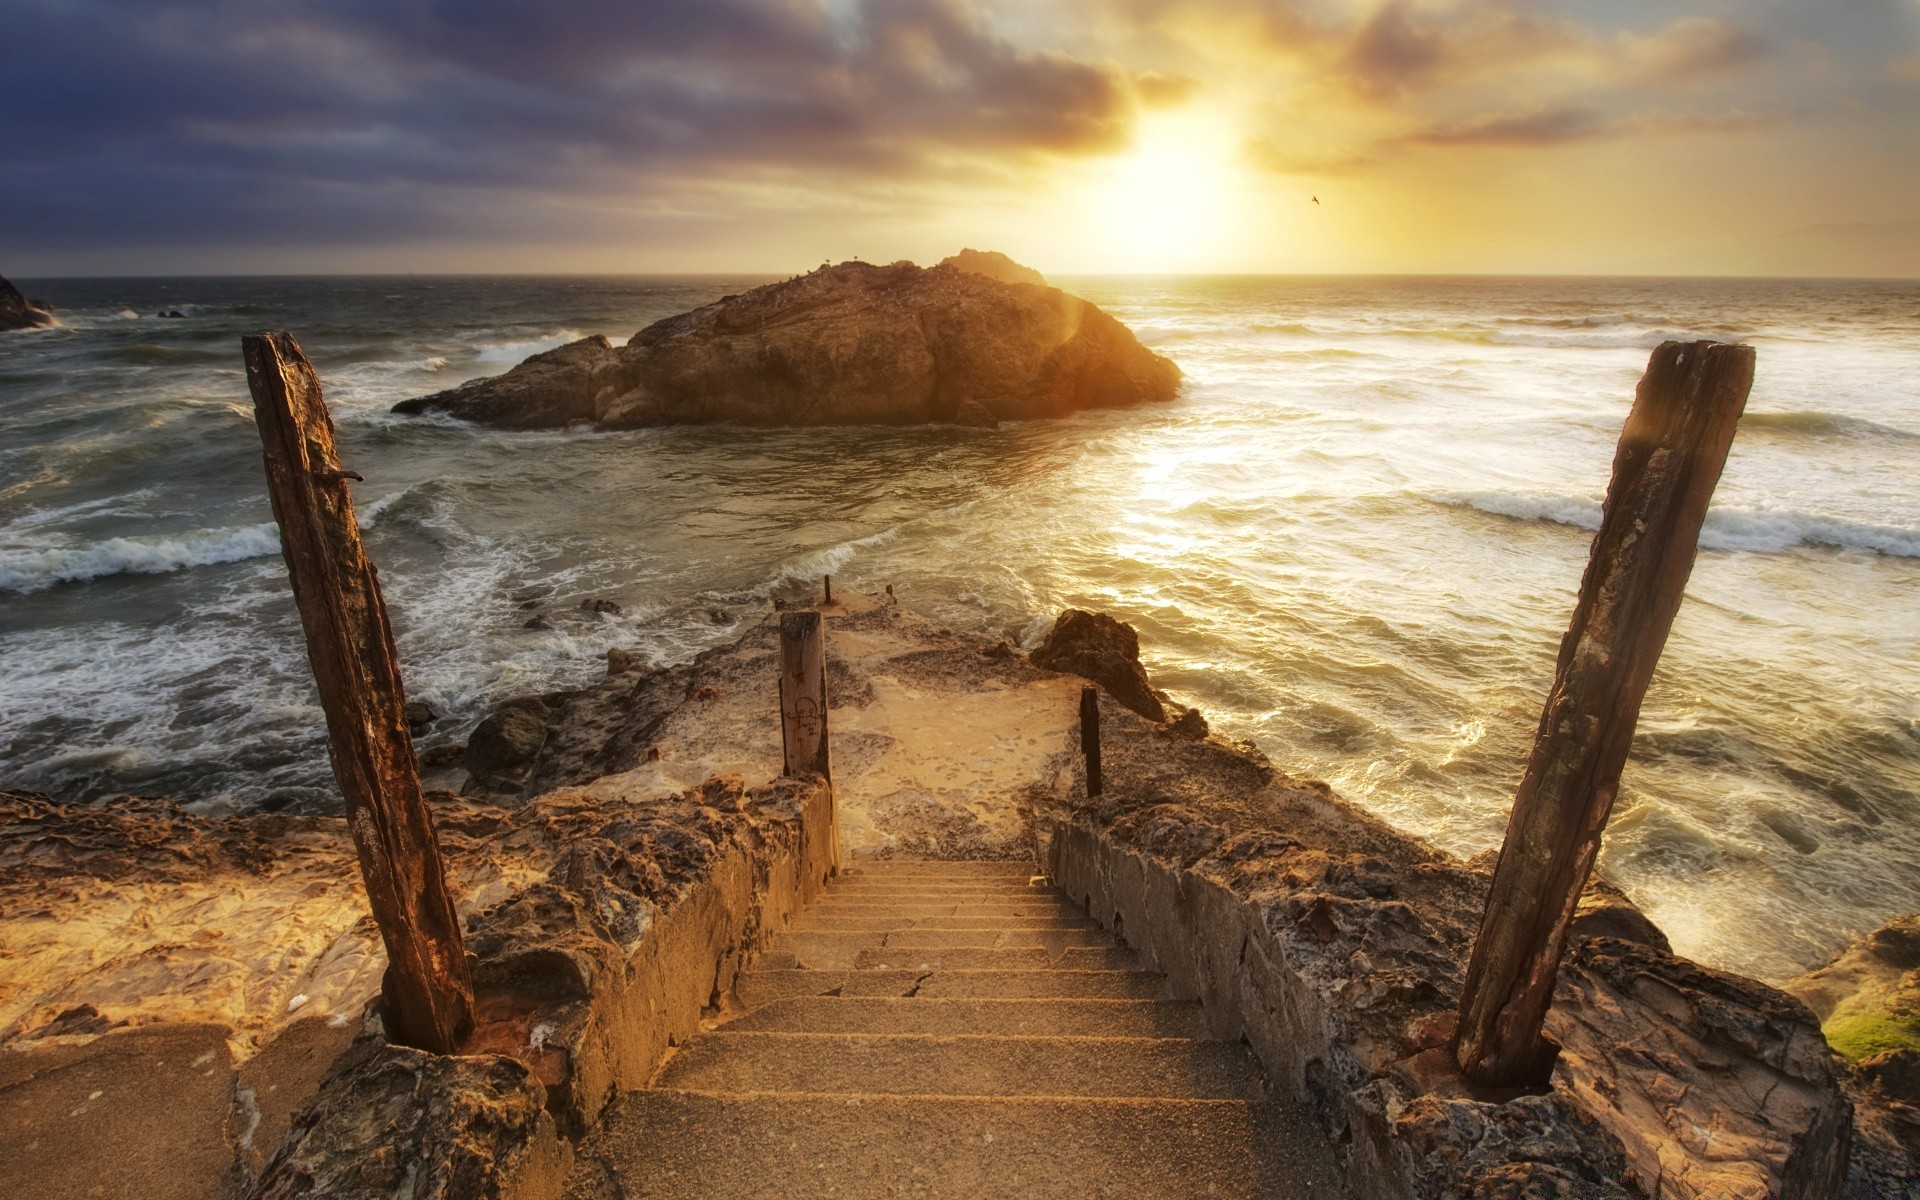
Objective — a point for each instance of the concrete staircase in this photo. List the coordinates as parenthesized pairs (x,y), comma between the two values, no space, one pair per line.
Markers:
(937,1029)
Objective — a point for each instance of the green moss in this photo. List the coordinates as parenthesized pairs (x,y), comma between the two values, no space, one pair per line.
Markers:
(1863,1035)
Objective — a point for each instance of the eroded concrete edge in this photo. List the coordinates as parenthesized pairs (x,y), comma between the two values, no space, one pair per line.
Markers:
(587,1015)
(1583,1139)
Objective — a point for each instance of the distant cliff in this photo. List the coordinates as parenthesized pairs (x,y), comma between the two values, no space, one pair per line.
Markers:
(853,344)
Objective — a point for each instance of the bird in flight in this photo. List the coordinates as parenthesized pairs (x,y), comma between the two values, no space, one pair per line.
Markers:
(1316,199)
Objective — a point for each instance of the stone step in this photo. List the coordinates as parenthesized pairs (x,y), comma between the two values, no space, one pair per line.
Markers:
(957,893)
(990,958)
(815,921)
(767,984)
(678,1145)
(941,884)
(831,956)
(902,868)
(912,947)
(833,906)
(925,1014)
(961,1065)
(822,943)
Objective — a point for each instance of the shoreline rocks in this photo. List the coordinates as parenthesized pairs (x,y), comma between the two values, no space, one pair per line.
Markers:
(949,746)
(18,312)
(853,344)
(1868,1003)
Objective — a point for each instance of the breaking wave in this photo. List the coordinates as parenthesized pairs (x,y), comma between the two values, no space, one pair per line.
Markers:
(1817,424)
(29,570)
(513,352)
(1728,528)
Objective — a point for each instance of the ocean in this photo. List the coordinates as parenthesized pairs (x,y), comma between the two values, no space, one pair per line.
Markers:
(1354,540)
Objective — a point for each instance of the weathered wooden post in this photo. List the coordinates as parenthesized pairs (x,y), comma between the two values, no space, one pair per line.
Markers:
(826,582)
(1090,737)
(427,987)
(803,709)
(803,694)
(1669,459)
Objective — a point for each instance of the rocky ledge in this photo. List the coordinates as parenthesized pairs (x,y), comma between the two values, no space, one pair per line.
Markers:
(186,999)
(18,312)
(975,340)
(1868,1002)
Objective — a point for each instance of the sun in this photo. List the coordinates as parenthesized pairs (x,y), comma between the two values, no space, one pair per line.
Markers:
(1171,203)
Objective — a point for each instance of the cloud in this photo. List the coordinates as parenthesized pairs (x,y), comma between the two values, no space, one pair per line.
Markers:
(1160,89)
(371,118)
(1544,127)
(1401,48)
(1691,49)
(1559,126)
(1265,155)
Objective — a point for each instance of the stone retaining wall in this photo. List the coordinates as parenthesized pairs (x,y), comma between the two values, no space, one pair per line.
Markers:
(584,979)
(1335,945)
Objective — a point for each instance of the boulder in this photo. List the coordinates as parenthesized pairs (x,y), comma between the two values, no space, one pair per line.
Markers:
(18,312)
(503,748)
(972,412)
(1097,647)
(853,344)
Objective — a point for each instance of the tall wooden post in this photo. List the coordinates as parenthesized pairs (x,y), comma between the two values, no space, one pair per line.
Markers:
(1669,459)
(803,709)
(427,987)
(803,694)
(1090,737)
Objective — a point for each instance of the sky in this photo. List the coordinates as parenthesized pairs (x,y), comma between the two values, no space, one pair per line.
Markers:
(1458,136)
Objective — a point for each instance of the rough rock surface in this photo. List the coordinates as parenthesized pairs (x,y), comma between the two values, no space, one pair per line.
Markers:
(853,344)
(400,1122)
(18,312)
(1868,1002)
(1097,647)
(533,744)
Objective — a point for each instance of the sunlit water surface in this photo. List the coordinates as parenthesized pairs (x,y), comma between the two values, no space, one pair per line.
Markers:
(1354,540)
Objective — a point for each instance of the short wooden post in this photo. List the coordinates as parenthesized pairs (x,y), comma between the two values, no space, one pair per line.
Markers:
(427,987)
(826,582)
(1090,737)
(1669,459)
(803,694)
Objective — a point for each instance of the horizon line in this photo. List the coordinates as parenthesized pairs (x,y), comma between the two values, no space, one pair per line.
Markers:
(1755,277)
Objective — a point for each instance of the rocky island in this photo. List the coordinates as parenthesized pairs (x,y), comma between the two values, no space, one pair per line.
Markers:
(975,340)
(18,312)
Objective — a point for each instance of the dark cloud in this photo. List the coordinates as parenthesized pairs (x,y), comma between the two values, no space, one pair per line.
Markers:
(137,120)
(1401,48)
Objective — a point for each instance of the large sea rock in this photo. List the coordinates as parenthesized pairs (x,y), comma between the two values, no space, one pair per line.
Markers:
(18,312)
(853,344)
